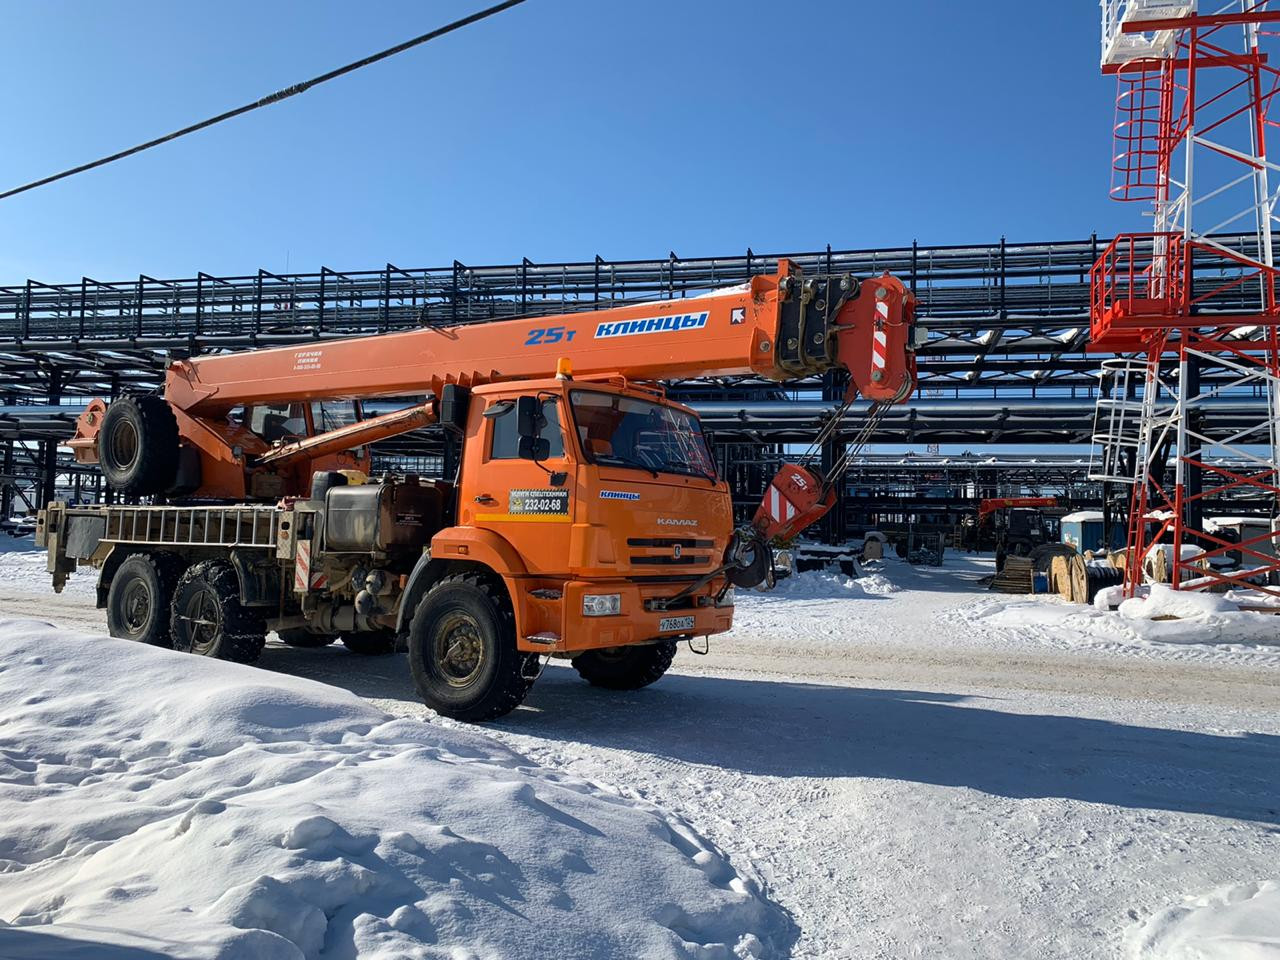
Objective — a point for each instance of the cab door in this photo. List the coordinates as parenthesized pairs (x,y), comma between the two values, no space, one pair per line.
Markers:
(529,504)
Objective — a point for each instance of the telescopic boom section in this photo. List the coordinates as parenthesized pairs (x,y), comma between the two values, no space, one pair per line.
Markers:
(780,326)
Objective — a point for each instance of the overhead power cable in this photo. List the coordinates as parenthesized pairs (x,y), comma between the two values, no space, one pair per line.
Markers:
(276,97)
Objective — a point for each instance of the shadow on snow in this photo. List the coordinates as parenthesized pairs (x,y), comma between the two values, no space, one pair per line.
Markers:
(21,943)
(791,729)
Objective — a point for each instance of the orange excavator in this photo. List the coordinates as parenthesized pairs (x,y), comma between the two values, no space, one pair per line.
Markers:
(587,520)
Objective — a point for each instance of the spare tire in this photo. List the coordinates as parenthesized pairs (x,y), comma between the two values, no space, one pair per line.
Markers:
(138,445)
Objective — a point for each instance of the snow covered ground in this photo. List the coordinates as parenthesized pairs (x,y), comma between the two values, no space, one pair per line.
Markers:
(909,766)
(170,808)
(1204,627)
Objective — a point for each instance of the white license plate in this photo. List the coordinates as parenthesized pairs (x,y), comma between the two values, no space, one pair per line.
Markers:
(675,623)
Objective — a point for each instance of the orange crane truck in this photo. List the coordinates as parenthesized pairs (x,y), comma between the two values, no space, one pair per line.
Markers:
(586,521)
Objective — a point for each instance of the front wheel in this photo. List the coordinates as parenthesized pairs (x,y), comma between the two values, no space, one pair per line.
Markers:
(626,668)
(462,650)
(209,619)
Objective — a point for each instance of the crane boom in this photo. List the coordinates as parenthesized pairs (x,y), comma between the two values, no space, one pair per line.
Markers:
(779,326)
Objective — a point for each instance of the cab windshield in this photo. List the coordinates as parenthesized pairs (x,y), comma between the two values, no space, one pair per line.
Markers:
(625,432)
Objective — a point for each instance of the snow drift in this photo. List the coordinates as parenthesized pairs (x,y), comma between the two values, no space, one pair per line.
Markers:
(1237,922)
(1162,601)
(1161,617)
(824,585)
(158,804)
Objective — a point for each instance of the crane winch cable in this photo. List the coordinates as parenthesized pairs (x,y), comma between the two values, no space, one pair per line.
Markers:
(276,97)
(875,413)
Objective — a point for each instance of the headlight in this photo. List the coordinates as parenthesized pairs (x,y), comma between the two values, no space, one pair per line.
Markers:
(727,599)
(602,605)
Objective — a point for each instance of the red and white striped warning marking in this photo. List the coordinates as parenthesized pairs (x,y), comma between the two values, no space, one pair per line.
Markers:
(780,508)
(302,568)
(880,339)
(303,578)
(879,350)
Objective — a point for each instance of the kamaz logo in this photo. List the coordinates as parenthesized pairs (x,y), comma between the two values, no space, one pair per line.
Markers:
(627,328)
(676,522)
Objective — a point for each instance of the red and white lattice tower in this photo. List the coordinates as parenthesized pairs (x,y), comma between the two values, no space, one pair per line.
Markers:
(1190,414)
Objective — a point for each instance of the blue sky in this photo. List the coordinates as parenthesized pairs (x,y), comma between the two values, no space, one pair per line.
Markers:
(558,130)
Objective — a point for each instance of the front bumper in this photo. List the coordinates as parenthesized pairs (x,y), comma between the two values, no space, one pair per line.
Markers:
(634,624)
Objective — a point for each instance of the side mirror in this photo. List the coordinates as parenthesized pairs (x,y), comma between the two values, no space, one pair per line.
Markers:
(529,417)
(451,408)
(529,424)
(534,448)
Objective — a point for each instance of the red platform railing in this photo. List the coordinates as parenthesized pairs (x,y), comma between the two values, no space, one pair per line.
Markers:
(1142,286)
(1135,286)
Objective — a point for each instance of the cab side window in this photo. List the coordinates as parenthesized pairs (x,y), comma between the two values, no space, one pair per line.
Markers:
(505,441)
(278,421)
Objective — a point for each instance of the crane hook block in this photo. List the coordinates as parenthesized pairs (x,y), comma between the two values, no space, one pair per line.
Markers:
(794,499)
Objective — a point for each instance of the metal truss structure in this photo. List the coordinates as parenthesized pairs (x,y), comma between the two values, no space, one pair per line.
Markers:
(1004,363)
(1193,114)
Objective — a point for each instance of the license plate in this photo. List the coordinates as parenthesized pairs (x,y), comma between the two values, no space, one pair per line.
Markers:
(675,623)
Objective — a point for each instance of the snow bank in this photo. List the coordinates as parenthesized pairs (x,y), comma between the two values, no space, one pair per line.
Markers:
(156,803)
(877,584)
(1108,598)
(827,585)
(1236,922)
(1208,621)
(24,568)
(1163,601)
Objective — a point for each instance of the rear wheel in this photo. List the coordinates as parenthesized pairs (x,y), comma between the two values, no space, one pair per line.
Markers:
(626,668)
(139,597)
(209,619)
(371,643)
(138,445)
(462,650)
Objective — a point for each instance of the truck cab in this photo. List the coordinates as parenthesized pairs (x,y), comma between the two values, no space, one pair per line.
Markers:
(595,515)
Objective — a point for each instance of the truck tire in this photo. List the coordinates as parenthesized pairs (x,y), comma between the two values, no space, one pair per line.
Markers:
(302,637)
(462,650)
(138,445)
(626,668)
(208,618)
(139,597)
(370,643)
